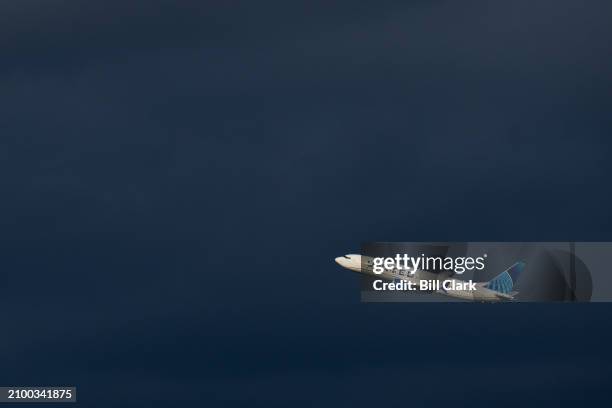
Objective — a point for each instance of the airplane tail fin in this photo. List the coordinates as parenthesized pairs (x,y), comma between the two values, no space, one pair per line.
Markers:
(505,281)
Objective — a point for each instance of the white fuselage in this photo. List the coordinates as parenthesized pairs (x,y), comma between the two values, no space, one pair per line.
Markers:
(447,286)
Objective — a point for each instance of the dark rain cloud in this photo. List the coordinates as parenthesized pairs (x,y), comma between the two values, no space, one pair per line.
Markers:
(178,177)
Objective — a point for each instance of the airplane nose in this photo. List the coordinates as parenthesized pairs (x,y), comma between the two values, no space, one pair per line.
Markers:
(346,261)
(350,261)
(343,261)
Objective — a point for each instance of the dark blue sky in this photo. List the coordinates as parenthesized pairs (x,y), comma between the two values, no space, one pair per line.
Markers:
(178,176)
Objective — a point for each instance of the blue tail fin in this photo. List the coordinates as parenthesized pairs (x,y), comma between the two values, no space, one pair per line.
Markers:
(504,282)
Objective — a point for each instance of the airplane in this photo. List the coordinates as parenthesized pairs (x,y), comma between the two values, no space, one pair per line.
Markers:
(498,289)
